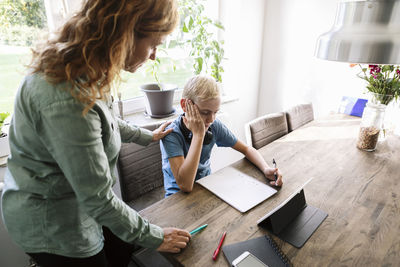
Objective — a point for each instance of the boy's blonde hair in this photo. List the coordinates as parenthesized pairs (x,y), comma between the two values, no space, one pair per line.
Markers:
(201,87)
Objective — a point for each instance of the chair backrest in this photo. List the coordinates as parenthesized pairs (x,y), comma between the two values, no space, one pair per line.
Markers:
(265,129)
(299,115)
(140,173)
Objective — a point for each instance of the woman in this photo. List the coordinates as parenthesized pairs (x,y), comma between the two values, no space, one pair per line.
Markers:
(58,203)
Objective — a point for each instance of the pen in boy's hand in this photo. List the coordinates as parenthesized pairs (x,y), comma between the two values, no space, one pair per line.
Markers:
(275,174)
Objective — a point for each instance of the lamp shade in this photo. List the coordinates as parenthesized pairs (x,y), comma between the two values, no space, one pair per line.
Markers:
(364,32)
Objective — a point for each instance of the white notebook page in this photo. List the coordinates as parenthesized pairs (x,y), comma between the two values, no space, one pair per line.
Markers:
(238,189)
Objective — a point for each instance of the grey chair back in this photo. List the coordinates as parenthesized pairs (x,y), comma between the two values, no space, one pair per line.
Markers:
(299,115)
(265,129)
(140,173)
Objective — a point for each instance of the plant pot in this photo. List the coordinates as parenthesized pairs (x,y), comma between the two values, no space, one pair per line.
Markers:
(4,145)
(159,103)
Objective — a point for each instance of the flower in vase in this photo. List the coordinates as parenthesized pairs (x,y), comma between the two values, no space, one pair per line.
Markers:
(382,80)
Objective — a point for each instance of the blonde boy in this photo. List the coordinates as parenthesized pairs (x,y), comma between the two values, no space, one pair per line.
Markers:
(186,150)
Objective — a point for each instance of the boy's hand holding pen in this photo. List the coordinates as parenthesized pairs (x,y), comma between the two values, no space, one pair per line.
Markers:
(274,174)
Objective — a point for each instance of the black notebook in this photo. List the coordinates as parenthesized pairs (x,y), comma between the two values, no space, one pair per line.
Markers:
(264,248)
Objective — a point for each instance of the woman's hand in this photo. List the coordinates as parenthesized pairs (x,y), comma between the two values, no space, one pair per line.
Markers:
(160,132)
(174,240)
(193,120)
(269,173)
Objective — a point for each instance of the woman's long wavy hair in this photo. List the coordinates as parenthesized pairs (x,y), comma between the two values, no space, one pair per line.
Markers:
(91,48)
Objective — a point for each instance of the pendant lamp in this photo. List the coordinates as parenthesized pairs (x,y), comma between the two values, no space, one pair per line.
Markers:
(364,32)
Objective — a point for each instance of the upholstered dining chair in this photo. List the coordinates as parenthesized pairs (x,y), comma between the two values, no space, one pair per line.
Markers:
(140,173)
(299,115)
(263,130)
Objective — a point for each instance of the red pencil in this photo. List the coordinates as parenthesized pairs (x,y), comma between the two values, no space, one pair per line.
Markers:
(216,252)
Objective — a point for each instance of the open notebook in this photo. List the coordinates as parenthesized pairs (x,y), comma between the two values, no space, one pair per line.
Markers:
(237,188)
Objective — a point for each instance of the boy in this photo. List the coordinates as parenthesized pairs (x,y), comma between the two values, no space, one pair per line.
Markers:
(186,151)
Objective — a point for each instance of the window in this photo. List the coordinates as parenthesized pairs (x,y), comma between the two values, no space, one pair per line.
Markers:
(24,21)
(21,23)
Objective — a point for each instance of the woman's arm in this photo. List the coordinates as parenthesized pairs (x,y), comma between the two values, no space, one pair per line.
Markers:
(134,134)
(160,132)
(255,157)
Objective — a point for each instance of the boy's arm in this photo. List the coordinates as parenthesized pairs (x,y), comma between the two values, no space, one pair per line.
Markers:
(185,169)
(255,157)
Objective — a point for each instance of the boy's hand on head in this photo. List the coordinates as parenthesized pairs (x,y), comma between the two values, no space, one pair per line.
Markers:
(160,132)
(193,120)
(269,173)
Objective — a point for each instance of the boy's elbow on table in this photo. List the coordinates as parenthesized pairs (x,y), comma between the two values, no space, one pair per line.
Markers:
(185,188)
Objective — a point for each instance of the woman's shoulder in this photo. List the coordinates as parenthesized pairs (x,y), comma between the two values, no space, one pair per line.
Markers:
(38,92)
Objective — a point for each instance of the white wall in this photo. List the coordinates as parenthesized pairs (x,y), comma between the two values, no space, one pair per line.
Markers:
(243,47)
(290,74)
(271,65)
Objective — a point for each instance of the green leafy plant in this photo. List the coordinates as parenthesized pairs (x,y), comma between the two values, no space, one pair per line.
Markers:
(155,66)
(3,117)
(199,33)
(382,80)
(21,21)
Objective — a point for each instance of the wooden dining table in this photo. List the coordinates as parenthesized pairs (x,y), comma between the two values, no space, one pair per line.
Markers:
(359,190)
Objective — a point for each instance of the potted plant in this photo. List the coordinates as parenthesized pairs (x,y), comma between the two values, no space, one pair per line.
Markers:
(4,146)
(159,96)
(197,35)
(383,84)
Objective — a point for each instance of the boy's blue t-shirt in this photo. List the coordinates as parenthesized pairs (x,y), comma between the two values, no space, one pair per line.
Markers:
(174,144)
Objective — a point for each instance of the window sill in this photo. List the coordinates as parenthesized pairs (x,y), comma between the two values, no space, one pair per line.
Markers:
(139,118)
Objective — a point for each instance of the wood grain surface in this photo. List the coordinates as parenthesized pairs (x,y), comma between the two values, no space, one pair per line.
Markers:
(359,190)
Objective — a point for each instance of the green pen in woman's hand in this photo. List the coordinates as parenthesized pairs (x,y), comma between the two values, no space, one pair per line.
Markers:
(198,229)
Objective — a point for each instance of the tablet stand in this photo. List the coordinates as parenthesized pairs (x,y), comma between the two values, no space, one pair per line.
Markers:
(295,222)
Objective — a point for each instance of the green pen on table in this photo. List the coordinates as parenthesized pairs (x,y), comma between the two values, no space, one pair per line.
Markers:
(198,229)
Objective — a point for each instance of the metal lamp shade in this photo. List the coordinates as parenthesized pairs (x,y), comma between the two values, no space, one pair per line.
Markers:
(364,32)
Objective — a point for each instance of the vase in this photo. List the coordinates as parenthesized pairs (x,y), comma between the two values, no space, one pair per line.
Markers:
(380,99)
(395,115)
(391,122)
(371,127)
(159,103)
